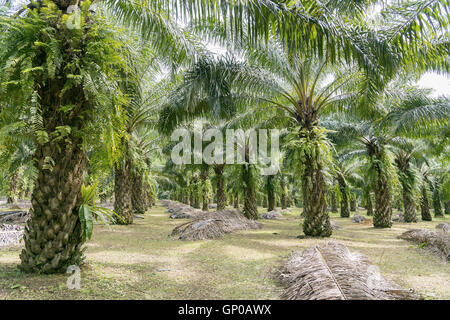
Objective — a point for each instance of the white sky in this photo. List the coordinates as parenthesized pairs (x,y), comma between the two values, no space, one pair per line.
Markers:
(439,83)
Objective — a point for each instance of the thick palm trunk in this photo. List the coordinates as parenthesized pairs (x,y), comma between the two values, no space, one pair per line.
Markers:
(383,205)
(250,208)
(345,210)
(204,194)
(284,195)
(53,234)
(447,207)
(220,187)
(236,201)
(12,192)
(352,204)
(409,214)
(437,202)
(317,221)
(122,191)
(137,195)
(424,205)
(270,193)
(369,205)
(334,207)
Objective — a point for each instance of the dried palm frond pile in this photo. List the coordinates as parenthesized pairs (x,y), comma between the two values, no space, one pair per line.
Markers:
(357,218)
(180,210)
(444,227)
(333,272)
(211,225)
(272,215)
(438,242)
(16,216)
(10,235)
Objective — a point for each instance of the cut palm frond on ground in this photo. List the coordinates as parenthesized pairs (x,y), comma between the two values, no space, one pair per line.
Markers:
(214,225)
(333,272)
(438,242)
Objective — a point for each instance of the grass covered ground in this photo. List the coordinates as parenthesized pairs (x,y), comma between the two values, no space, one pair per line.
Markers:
(141,262)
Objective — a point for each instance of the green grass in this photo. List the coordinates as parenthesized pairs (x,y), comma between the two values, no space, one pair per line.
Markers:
(131,262)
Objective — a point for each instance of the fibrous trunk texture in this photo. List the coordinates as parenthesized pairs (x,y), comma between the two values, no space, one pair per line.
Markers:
(137,194)
(334,207)
(353,204)
(204,179)
(270,193)
(383,205)
(12,192)
(53,234)
(284,195)
(236,201)
(317,221)
(122,191)
(409,214)
(369,205)
(333,272)
(424,206)
(345,210)
(437,202)
(220,187)
(250,210)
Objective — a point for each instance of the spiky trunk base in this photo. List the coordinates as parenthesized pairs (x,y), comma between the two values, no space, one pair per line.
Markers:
(345,210)
(122,192)
(424,206)
(334,207)
(137,195)
(317,221)
(352,204)
(369,206)
(250,210)
(220,187)
(270,193)
(383,205)
(409,214)
(53,234)
(437,203)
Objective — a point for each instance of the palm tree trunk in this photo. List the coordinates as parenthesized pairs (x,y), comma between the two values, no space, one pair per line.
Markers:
(345,210)
(122,191)
(250,210)
(334,207)
(220,186)
(369,205)
(437,202)
(283,194)
(236,201)
(352,204)
(270,193)
(424,205)
(317,221)
(409,214)
(12,192)
(447,207)
(383,205)
(137,195)
(53,234)
(205,196)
